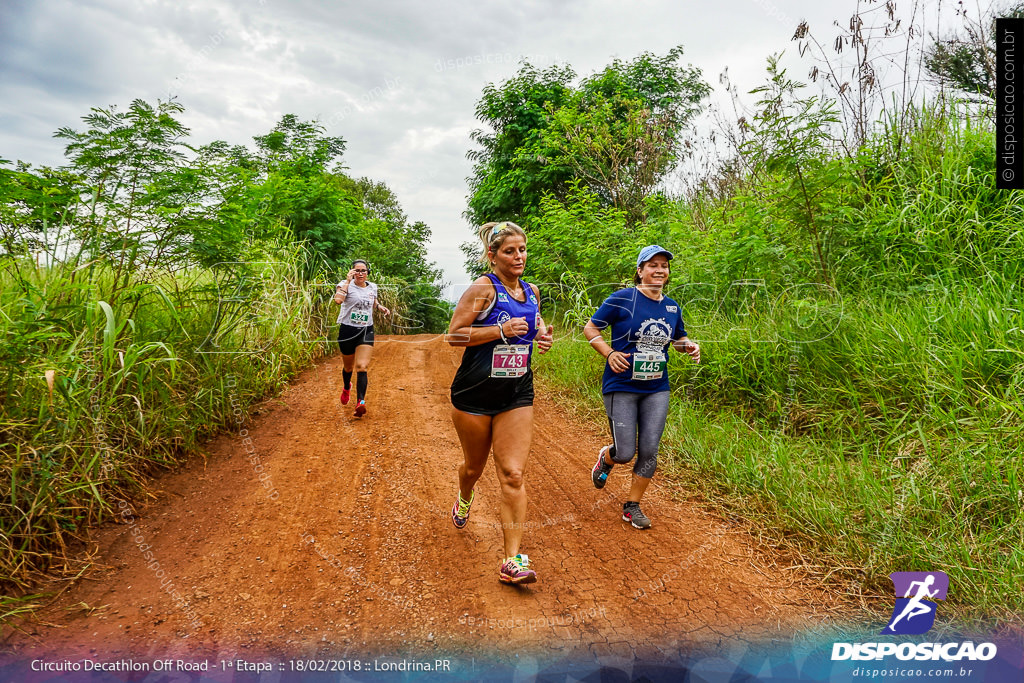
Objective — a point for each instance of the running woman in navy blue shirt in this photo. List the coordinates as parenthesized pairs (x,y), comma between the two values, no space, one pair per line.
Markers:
(643,323)
(498,321)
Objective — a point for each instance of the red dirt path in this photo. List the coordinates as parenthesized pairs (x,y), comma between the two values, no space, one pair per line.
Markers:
(352,548)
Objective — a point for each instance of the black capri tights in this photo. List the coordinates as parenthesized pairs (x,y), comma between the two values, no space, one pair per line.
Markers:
(637,422)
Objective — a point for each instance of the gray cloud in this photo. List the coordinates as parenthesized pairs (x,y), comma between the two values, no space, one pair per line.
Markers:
(398,80)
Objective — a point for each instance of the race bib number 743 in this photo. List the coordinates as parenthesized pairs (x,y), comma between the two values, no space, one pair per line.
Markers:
(510,360)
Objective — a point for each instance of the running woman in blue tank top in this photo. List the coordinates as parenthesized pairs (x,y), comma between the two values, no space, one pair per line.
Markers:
(498,321)
(474,389)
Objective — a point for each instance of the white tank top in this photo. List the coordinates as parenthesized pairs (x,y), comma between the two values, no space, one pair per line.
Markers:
(357,308)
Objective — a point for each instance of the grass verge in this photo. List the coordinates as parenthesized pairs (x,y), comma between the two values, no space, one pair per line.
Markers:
(800,449)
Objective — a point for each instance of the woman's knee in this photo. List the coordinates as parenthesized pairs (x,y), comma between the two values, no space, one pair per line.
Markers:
(511,480)
(473,470)
(620,456)
(646,465)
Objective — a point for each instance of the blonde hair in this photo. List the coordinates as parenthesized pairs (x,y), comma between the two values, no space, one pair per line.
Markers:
(493,234)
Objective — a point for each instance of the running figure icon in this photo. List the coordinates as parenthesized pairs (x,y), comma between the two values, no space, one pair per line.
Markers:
(915,592)
(915,607)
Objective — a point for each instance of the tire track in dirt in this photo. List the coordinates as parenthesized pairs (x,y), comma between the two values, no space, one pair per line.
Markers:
(356,551)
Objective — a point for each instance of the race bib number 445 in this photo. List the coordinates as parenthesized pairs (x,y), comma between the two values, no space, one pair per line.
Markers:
(510,360)
(649,365)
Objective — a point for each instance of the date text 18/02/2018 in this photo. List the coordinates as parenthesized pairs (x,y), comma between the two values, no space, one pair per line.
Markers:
(379,664)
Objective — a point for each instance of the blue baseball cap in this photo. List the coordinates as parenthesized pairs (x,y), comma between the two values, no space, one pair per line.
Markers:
(649,252)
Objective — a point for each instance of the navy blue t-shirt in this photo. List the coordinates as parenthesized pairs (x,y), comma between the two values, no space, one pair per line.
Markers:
(643,328)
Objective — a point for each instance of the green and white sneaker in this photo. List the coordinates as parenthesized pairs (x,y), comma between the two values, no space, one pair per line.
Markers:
(460,511)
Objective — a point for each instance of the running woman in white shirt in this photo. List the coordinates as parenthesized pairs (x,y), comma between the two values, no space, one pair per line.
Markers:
(358,299)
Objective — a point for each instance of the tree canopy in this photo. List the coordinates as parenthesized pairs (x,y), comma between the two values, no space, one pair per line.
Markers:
(616,132)
(135,194)
(966,59)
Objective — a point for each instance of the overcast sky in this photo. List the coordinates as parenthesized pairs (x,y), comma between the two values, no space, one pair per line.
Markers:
(397,80)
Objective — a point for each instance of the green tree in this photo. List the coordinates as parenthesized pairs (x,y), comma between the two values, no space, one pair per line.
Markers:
(303,189)
(235,220)
(616,130)
(144,198)
(512,169)
(966,60)
(619,131)
(615,134)
(33,203)
(616,148)
(136,195)
(398,248)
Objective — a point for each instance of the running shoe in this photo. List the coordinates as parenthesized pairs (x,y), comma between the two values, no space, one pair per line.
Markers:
(631,513)
(601,470)
(517,570)
(460,511)
(344,397)
(360,409)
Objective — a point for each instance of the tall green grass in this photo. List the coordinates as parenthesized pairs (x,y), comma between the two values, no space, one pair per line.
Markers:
(883,448)
(929,208)
(874,423)
(106,383)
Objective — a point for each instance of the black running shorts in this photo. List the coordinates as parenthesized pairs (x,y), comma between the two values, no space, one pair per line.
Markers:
(350,337)
(475,391)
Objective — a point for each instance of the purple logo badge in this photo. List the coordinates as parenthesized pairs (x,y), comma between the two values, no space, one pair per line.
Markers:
(914,612)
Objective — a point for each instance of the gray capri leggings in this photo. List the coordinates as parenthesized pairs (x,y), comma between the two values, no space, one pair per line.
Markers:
(637,422)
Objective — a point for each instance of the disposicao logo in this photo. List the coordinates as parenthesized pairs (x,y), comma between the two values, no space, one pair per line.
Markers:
(914,614)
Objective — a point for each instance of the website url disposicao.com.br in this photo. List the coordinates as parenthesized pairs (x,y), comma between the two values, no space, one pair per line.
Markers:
(900,673)
(951,660)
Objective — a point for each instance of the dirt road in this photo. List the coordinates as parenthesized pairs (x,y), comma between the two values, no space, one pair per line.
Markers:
(307,532)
